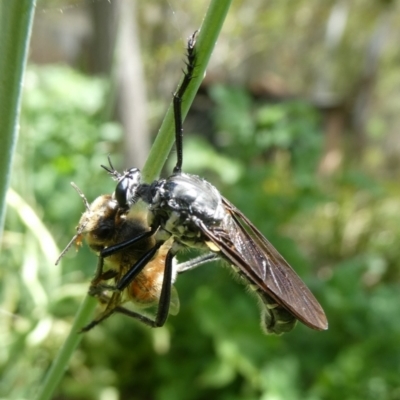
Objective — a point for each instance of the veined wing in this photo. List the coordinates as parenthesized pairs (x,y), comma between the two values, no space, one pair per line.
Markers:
(243,245)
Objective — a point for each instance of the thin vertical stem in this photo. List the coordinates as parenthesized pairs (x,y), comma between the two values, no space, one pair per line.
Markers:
(16,24)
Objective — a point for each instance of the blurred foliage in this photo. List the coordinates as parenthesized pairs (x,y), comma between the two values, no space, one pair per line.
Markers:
(62,138)
(340,233)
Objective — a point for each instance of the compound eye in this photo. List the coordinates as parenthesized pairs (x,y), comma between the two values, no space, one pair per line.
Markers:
(121,192)
(125,191)
(104,231)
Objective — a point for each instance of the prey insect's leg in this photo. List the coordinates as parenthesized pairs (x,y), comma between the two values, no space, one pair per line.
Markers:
(191,56)
(96,288)
(112,304)
(99,275)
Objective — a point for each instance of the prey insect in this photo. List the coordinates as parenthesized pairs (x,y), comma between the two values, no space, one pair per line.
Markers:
(105,224)
(185,211)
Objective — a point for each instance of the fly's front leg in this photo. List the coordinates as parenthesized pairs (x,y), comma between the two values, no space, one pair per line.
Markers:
(163,303)
(108,251)
(96,287)
(126,279)
(114,302)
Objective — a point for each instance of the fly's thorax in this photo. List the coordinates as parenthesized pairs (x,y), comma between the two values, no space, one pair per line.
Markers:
(180,203)
(189,196)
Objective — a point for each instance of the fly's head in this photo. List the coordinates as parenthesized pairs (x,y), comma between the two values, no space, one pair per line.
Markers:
(127,190)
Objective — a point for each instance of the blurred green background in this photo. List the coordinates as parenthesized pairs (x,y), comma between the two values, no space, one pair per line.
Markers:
(297,125)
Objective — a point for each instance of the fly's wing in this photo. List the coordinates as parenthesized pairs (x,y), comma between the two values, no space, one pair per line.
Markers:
(243,245)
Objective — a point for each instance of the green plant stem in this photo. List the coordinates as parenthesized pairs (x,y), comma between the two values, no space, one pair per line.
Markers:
(205,42)
(60,363)
(16,24)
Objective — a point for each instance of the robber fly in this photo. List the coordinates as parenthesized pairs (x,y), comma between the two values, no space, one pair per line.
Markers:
(185,211)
